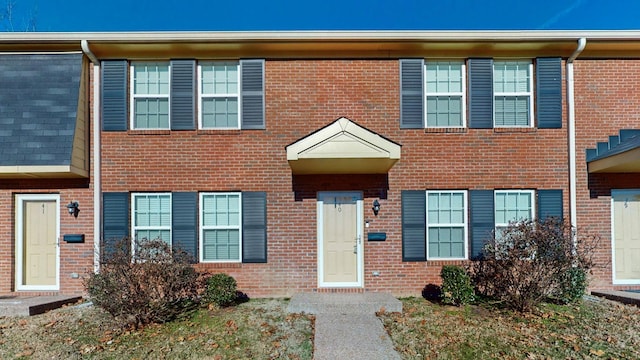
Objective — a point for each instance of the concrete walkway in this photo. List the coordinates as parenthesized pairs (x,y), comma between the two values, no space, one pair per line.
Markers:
(13,305)
(346,324)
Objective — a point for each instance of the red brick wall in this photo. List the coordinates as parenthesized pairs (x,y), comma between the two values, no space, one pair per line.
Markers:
(606,101)
(302,96)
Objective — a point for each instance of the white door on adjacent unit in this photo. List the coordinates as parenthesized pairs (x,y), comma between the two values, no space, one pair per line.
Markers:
(37,251)
(340,250)
(625,225)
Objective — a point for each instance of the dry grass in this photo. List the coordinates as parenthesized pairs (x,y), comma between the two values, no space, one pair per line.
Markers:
(259,329)
(597,329)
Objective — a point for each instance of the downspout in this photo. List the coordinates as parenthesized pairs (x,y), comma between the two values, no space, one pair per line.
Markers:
(582,42)
(97,184)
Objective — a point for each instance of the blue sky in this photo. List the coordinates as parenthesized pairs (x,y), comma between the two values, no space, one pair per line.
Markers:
(234,15)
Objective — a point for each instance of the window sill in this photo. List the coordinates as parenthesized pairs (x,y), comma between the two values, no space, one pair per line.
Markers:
(515,129)
(149,132)
(219,132)
(442,262)
(445,130)
(218,265)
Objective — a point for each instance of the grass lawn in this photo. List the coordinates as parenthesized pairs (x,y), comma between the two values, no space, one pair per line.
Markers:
(258,329)
(262,329)
(593,329)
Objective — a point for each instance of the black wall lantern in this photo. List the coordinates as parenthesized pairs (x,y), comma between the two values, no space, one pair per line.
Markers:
(376,207)
(73,208)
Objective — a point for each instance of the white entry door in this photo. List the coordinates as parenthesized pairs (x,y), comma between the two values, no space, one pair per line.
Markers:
(37,251)
(626,236)
(340,248)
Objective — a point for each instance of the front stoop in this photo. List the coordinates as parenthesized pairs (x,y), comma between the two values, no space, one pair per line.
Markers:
(33,305)
(369,302)
(625,297)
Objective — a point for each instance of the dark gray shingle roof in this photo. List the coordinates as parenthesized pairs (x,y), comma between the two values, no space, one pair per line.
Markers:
(38,108)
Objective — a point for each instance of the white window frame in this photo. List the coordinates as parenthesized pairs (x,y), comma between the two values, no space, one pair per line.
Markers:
(462,93)
(134,96)
(465,224)
(135,228)
(515,94)
(202,96)
(532,193)
(202,227)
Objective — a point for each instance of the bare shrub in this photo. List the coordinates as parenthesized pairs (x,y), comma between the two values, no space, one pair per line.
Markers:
(533,260)
(151,284)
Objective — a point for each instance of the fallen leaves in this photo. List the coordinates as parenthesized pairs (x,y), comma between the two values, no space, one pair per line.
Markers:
(563,332)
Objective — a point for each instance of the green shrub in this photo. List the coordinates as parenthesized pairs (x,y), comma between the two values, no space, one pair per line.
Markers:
(456,286)
(152,284)
(572,286)
(221,290)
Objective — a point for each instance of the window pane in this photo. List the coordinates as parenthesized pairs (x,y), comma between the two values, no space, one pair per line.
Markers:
(219,78)
(445,242)
(221,245)
(221,210)
(443,76)
(511,76)
(151,78)
(444,111)
(220,112)
(513,206)
(512,110)
(151,113)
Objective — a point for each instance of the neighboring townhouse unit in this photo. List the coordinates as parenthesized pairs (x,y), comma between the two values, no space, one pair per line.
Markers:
(314,161)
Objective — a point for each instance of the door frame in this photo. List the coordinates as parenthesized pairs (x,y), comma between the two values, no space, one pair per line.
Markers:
(615,281)
(19,227)
(360,244)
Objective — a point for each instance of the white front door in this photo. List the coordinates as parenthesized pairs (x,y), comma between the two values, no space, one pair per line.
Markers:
(340,249)
(37,251)
(625,225)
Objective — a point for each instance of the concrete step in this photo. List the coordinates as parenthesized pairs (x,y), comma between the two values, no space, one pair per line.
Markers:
(336,303)
(32,305)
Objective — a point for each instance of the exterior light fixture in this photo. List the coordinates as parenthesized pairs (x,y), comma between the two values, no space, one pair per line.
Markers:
(73,208)
(376,207)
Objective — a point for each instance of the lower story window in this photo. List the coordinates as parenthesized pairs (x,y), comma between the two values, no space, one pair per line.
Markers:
(447,224)
(151,217)
(512,206)
(220,227)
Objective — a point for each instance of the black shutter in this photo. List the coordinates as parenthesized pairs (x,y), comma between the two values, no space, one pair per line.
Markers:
(254,227)
(414,247)
(550,204)
(411,94)
(481,93)
(252,93)
(482,220)
(549,93)
(115,220)
(114,95)
(183,89)
(184,223)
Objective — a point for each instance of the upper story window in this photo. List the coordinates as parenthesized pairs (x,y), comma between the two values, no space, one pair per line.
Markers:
(219,95)
(513,95)
(446,224)
(150,95)
(444,92)
(151,216)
